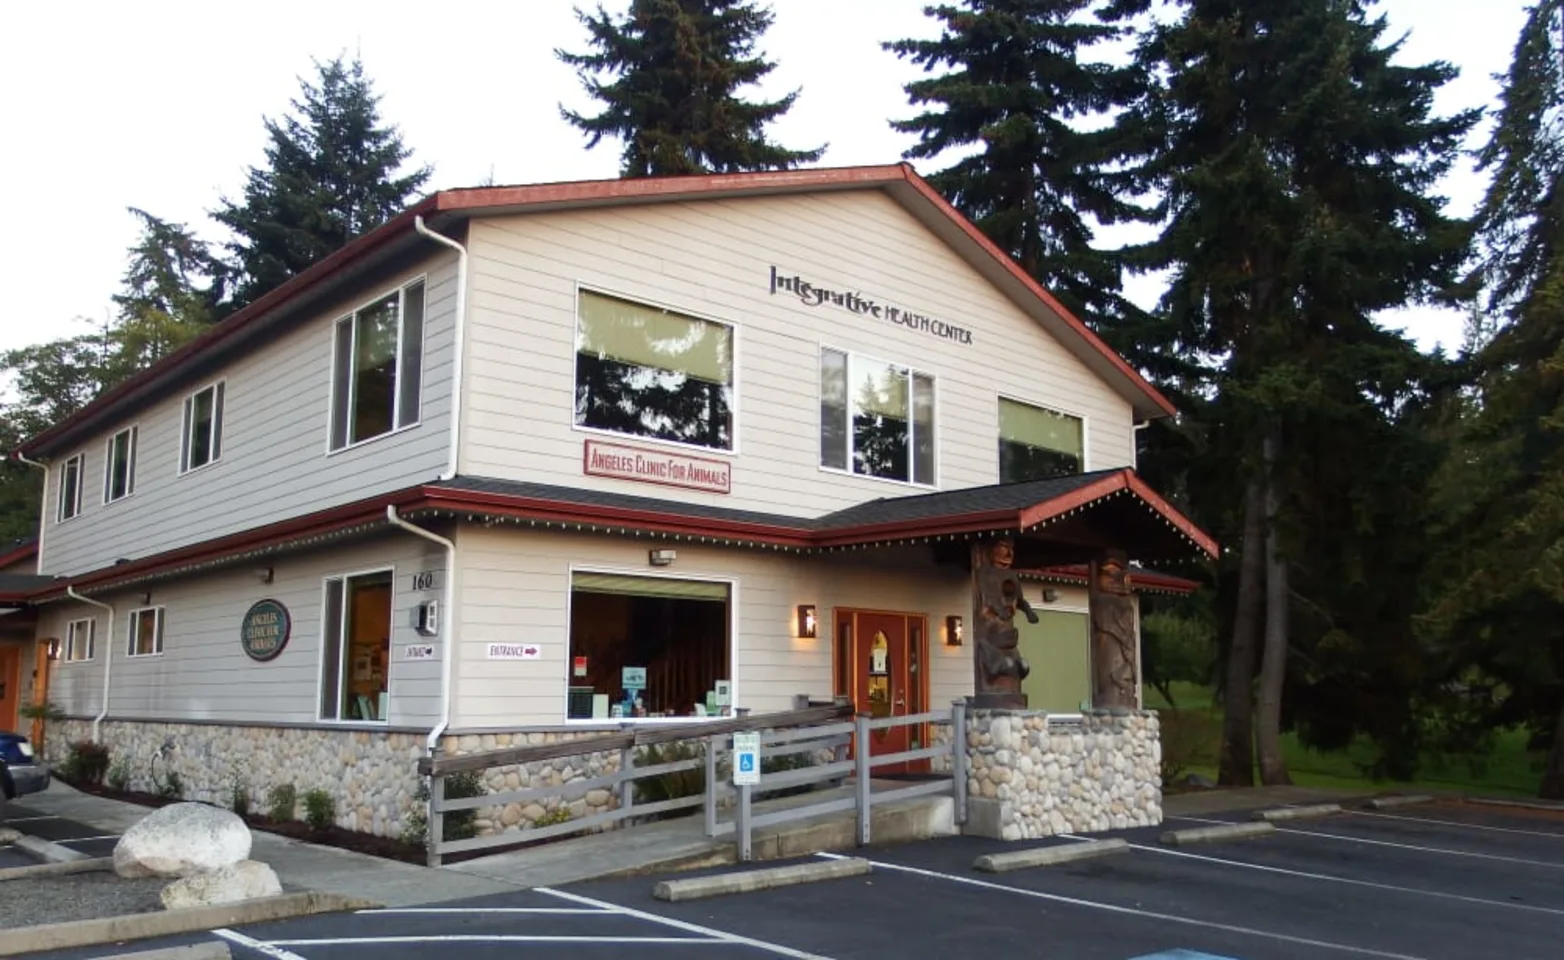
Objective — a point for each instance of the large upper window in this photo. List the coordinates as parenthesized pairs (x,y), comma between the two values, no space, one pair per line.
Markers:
(119,468)
(1036,444)
(146,632)
(376,380)
(649,372)
(354,682)
(203,433)
(876,418)
(79,639)
(648,647)
(70,487)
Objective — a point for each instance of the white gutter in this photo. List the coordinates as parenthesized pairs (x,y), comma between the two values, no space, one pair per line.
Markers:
(108,655)
(460,340)
(448,647)
(43,504)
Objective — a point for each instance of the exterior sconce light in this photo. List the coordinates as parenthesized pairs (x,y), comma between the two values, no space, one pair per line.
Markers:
(953,631)
(806,620)
(1050,595)
(661,558)
(146,598)
(54,648)
(264,574)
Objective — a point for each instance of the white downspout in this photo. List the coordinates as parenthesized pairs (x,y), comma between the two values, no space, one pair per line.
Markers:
(459,340)
(448,647)
(108,655)
(43,504)
(1135,443)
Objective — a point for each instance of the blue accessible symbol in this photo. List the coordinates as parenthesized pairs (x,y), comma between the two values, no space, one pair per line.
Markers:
(746,762)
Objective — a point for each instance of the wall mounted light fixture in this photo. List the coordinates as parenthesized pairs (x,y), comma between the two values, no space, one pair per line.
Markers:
(1050,595)
(661,558)
(806,620)
(54,648)
(264,574)
(953,636)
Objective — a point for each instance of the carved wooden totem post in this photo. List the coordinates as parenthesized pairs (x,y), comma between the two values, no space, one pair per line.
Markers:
(1115,665)
(998,667)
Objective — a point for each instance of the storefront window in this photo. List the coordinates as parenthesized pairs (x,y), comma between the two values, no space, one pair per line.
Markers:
(648,647)
(357,620)
(1037,444)
(649,372)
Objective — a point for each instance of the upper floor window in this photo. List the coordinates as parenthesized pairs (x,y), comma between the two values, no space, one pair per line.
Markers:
(146,632)
(203,428)
(1036,444)
(876,418)
(71,473)
(119,468)
(79,639)
(378,368)
(650,372)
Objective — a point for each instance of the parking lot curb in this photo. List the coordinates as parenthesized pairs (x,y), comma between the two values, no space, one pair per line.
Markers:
(1523,804)
(57,869)
(749,881)
(144,926)
(1297,813)
(1047,856)
(1229,831)
(1386,803)
(215,950)
(49,851)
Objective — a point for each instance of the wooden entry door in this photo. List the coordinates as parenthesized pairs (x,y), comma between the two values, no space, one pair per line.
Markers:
(885,655)
(10,686)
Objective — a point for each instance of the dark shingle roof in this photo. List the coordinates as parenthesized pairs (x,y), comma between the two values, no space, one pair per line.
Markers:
(953,503)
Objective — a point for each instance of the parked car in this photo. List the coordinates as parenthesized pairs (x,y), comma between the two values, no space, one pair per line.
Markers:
(21,772)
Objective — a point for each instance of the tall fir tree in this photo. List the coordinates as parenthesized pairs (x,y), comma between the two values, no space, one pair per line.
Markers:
(675,71)
(172,291)
(334,170)
(1296,164)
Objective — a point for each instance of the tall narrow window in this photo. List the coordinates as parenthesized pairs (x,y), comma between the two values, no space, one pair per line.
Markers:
(79,639)
(876,418)
(70,487)
(650,372)
(378,368)
(354,681)
(146,632)
(119,468)
(203,433)
(1037,444)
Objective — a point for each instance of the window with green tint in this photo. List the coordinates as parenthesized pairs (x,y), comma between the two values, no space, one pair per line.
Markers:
(1037,444)
(1058,647)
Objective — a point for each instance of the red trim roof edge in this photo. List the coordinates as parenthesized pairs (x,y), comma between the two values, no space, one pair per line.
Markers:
(18,554)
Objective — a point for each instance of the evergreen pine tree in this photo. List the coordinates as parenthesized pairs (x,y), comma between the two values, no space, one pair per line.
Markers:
(334,170)
(676,69)
(172,292)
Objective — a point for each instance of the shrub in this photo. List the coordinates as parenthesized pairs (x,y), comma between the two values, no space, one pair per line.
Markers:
(459,824)
(788,761)
(172,786)
(119,775)
(320,810)
(670,786)
(86,762)
(42,711)
(281,801)
(238,793)
(560,814)
(1190,738)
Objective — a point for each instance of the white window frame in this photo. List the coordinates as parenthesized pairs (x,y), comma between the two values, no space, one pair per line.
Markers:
(72,640)
(134,431)
(634,438)
(336,389)
(80,493)
(1086,436)
(219,390)
(133,622)
(342,625)
(912,371)
(732,584)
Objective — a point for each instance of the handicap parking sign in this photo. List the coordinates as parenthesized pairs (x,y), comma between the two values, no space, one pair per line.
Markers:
(746,759)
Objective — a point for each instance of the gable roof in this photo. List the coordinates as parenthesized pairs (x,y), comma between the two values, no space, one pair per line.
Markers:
(449,208)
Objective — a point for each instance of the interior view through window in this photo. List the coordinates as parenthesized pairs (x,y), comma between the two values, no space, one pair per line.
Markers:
(648,647)
(358,647)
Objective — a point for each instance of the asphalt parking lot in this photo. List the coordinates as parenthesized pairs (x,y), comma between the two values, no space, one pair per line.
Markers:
(67,833)
(1428,882)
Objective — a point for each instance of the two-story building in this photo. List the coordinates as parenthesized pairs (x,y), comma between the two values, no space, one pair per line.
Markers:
(529,461)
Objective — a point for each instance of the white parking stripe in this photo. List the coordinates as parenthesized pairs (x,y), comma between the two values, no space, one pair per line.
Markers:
(264,949)
(1457,823)
(486,938)
(1336,879)
(775,948)
(1402,846)
(30,819)
(569,910)
(110,836)
(1151,914)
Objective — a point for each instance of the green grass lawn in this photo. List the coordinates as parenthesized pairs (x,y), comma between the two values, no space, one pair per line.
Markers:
(1195,732)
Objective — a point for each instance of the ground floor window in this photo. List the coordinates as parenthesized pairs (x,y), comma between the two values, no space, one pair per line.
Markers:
(357,632)
(146,632)
(79,639)
(648,647)
(1058,648)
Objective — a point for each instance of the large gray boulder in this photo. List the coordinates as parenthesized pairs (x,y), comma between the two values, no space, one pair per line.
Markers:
(245,880)
(180,840)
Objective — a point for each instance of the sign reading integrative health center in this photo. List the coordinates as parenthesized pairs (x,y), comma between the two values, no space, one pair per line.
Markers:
(815,295)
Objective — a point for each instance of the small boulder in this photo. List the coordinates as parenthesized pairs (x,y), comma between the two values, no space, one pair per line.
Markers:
(180,840)
(245,880)
(9,836)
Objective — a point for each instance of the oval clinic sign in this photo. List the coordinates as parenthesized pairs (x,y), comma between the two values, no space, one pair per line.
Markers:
(265,630)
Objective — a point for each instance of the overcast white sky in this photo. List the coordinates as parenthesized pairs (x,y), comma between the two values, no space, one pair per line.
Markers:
(158,104)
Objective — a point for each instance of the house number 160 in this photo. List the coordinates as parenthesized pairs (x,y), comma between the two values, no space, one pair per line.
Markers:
(424,581)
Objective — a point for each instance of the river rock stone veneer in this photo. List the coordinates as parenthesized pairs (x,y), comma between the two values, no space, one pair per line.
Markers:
(1030,777)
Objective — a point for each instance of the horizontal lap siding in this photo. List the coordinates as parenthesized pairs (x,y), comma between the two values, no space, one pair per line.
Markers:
(204,674)
(274,464)
(713,258)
